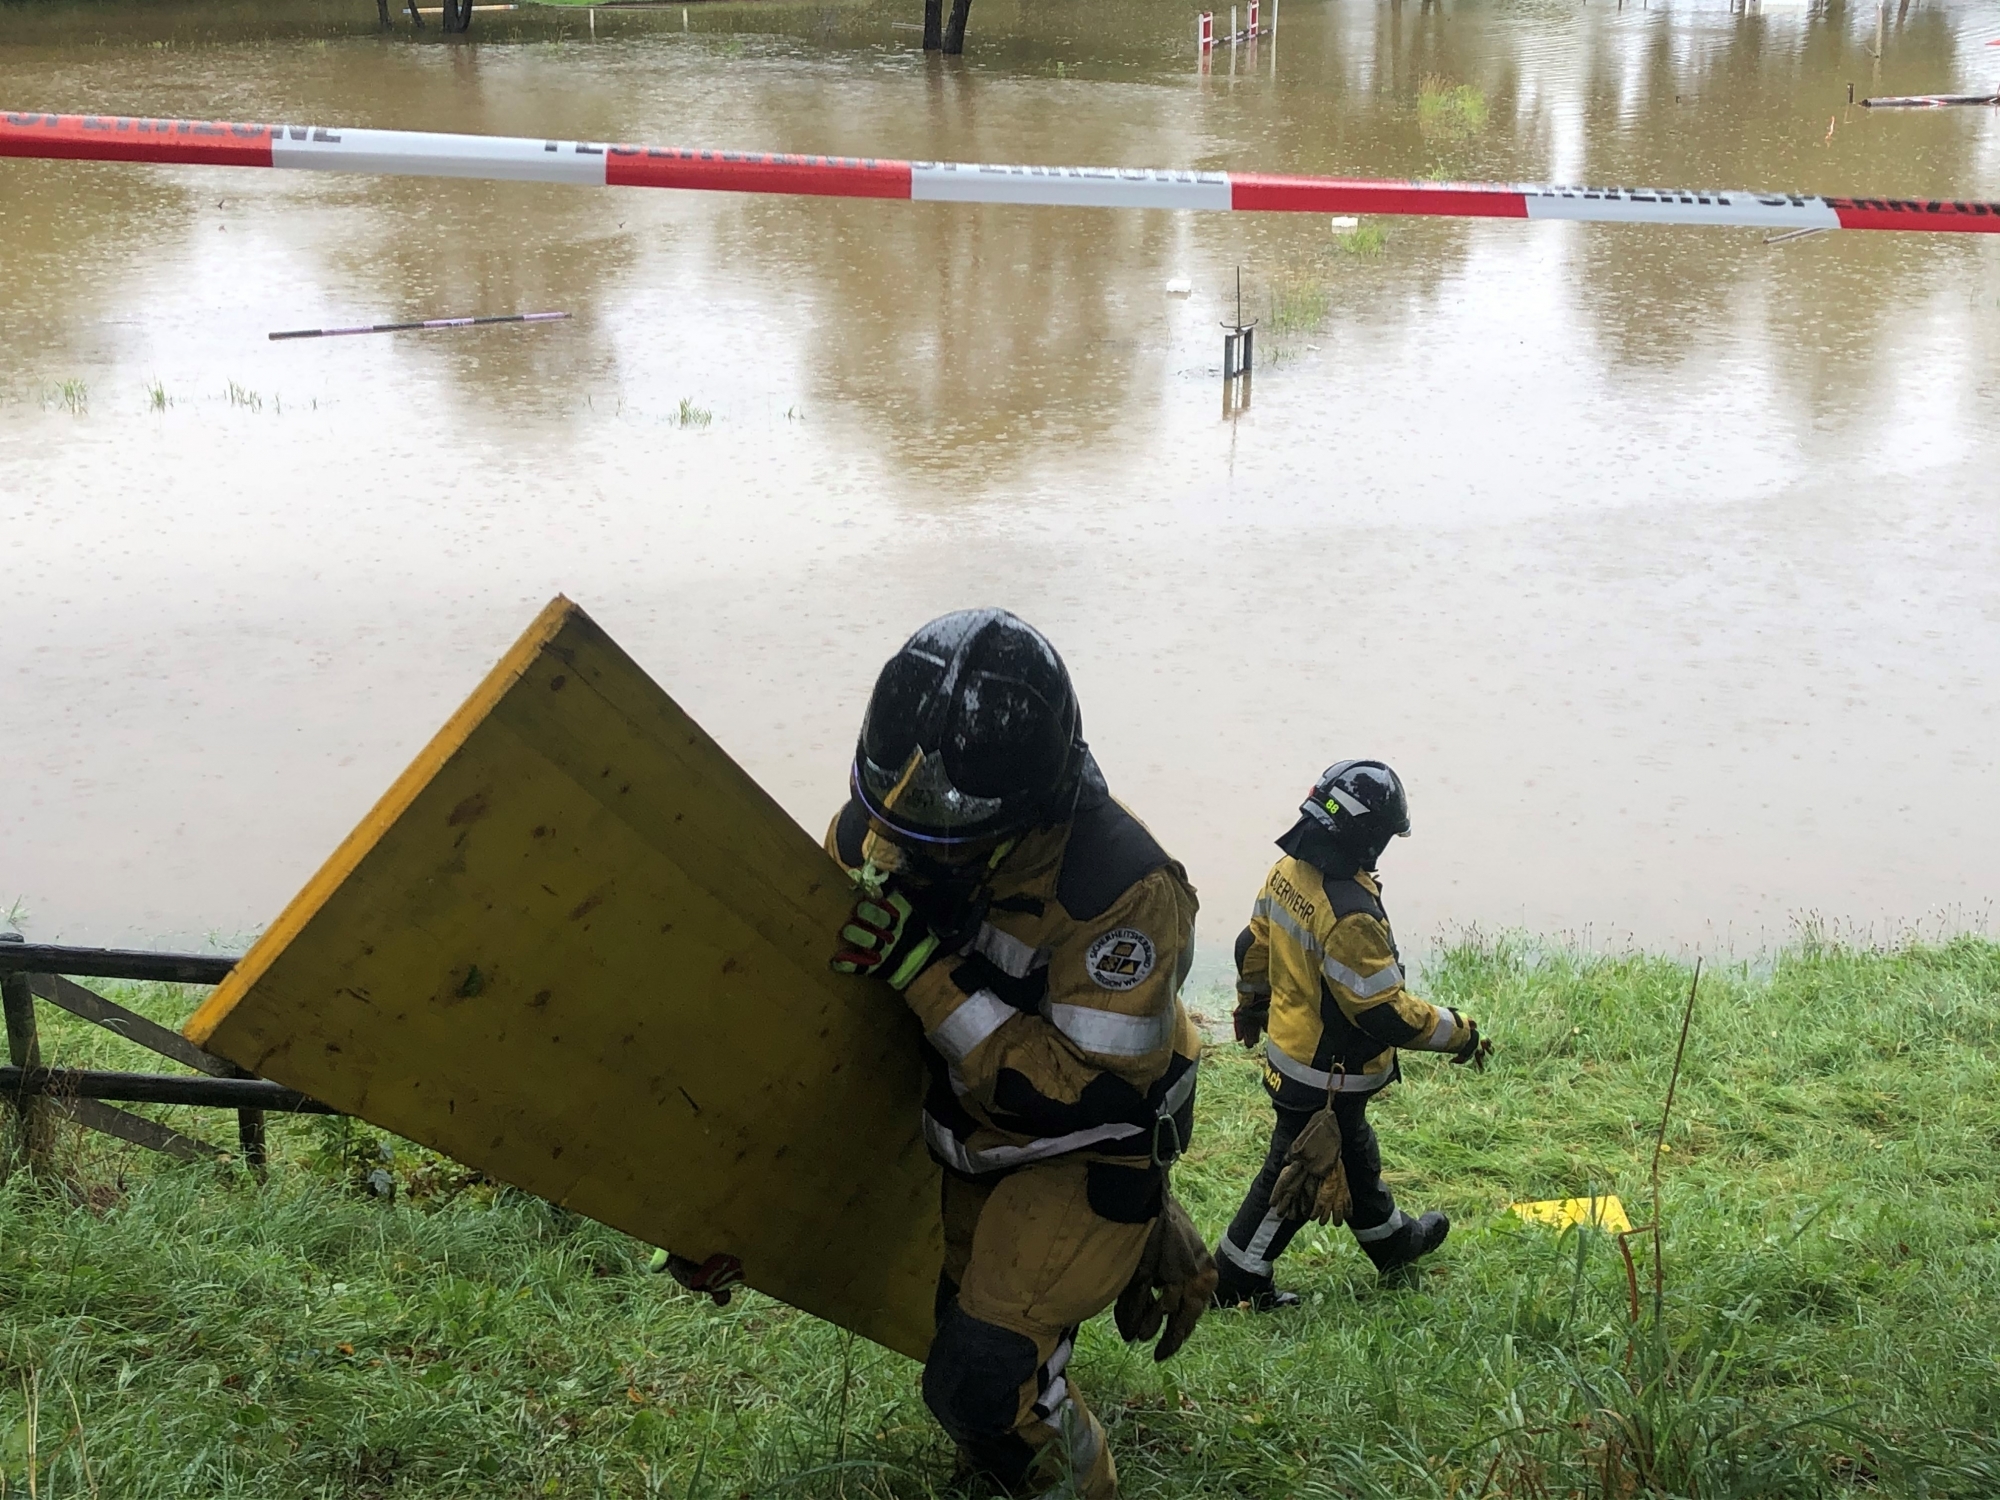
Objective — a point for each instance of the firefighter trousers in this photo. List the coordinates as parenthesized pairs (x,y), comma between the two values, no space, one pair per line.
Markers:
(1249,1252)
(1029,1255)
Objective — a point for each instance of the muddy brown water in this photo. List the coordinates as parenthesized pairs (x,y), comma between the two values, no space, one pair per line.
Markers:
(1664,563)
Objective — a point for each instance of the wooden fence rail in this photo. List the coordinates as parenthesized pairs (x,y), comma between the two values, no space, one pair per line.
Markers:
(43,971)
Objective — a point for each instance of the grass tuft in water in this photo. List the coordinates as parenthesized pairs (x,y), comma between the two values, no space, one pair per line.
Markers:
(1299,306)
(691,415)
(1363,240)
(376,1321)
(1449,111)
(72,396)
(156,395)
(242,396)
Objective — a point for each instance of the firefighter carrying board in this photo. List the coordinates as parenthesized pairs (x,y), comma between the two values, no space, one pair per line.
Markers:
(577,947)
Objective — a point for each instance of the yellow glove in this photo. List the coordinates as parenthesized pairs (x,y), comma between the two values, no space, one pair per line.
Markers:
(1313,1184)
(1172,1286)
(885,935)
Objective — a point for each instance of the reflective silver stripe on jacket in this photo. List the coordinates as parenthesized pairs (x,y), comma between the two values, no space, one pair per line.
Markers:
(1347,1083)
(1013,957)
(1361,988)
(1109,1033)
(955,1153)
(980,1015)
(1441,1038)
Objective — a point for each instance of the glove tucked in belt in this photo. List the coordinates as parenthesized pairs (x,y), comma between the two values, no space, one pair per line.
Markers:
(1172,1286)
(1313,1184)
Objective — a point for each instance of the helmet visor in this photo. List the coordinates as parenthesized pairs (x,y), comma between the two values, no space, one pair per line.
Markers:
(918,800)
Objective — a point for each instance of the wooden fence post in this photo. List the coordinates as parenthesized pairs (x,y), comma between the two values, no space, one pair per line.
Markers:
(34,1127)
(954,28)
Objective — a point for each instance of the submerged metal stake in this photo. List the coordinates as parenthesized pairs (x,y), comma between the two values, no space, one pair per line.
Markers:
(1239,341)
(1238,352)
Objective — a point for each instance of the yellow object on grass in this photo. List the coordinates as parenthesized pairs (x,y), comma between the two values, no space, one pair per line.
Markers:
(1606,1212)
(577,947)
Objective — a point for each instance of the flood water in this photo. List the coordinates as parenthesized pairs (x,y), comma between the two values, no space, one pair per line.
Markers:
(1664,563)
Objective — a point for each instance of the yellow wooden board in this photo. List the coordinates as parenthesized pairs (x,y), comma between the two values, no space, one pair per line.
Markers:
(577,947)
(1605,1211)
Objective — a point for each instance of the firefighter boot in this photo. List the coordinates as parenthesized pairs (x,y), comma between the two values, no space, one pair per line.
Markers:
(1241,1289)
(1235,1287)
(1413,1239)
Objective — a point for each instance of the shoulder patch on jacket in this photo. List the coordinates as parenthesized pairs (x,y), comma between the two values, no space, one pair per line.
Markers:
(848,832)
(1120,958)
(1345,897)
(1109,852)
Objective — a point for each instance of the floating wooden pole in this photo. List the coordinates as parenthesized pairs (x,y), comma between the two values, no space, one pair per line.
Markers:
(334,333)
(1927,101)
(409,153)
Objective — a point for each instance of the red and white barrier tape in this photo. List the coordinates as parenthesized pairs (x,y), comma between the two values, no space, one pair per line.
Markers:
(411,153)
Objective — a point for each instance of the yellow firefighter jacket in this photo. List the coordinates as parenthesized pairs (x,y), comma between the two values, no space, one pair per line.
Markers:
(1058,1029)
(1321,949)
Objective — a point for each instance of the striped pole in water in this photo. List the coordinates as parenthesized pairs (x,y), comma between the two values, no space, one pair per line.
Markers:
(410,153)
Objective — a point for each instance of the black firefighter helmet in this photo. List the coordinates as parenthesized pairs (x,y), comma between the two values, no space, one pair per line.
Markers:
(1360,805)
(972,734)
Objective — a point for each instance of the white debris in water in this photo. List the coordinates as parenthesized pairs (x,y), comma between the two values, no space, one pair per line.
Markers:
(1342,224)
(1180,286)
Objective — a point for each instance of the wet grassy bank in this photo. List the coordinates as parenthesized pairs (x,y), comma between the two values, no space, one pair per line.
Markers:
(1829,1325)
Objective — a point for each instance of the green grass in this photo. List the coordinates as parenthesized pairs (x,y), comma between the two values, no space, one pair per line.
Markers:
(1299,306)
(73,396)
(1830,1316)
(1364,239)
(1449,111)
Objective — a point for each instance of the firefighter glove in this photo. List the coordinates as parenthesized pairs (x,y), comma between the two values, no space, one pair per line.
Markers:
(1313,1184)
(1252,1015)
(884,935)
(715,1278)
(1173,1285)
(1476,1049)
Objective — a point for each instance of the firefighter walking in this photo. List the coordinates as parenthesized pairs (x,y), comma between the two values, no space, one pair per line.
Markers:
(1041,936)
(1318,970)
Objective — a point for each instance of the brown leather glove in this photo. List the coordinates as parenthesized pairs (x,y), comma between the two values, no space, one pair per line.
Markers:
(1172,1286)
(1313,1184)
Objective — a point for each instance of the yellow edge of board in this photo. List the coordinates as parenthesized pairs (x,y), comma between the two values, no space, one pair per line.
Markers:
(1605,1211)
(402,792)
